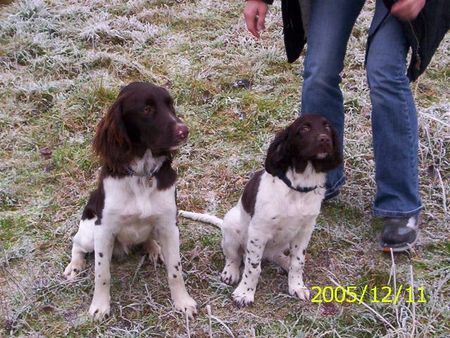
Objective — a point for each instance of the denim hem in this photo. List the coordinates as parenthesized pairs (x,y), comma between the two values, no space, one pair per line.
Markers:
(396,214)
(335,188)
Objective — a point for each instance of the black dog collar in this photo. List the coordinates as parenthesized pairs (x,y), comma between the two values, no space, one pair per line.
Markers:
(288,182)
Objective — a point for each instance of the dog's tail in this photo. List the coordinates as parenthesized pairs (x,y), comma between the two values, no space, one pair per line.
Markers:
(205,218)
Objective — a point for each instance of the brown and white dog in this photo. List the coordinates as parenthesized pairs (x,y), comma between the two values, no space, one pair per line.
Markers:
(135,199)
(278,208)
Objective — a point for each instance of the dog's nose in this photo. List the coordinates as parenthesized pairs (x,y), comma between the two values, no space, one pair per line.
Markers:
(182,131)
(324,139)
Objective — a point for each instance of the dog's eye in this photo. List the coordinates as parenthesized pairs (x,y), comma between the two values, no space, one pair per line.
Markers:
(327,127)
(149,110)
(305,128)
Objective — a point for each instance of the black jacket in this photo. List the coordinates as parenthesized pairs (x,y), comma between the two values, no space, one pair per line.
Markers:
(424,33)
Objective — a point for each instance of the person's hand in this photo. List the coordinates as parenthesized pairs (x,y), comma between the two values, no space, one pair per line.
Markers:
(407,9)
(255,15)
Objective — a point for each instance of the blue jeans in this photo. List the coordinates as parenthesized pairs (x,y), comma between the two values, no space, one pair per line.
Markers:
(394,119)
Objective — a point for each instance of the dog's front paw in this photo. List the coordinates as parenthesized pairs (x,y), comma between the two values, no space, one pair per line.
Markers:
(100,308)
(243,296)
(230,274)
(187,305)
(73,269)
(300,292)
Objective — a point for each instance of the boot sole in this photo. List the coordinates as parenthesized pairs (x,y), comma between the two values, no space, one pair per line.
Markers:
(400,248)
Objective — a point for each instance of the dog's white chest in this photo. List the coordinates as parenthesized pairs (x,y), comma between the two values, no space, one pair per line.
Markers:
(291,221)
(134,233)
(284,212)
(304,205)
(134,205)
(139,201)
(130,199)
(288,227)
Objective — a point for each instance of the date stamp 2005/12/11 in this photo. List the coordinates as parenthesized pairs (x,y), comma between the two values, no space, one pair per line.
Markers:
(377,294)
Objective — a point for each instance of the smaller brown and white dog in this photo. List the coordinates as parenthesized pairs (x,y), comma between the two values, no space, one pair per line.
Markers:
(277,212)
(135,199)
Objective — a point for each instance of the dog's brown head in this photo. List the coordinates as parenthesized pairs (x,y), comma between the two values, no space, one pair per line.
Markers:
(310,138)
(142,117)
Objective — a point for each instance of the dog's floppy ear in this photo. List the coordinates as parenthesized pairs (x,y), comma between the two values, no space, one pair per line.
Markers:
(334,160)
(111,141)
(278,157)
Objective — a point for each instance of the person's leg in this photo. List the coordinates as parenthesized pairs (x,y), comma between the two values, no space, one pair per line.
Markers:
(330,25)
(395,131)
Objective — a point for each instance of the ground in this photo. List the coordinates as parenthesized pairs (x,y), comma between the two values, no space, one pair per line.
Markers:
(63,63)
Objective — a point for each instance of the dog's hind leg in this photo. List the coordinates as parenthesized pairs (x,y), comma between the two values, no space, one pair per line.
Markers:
(154,251)
(231,245)
(233,259)
(83,243)
(277,256)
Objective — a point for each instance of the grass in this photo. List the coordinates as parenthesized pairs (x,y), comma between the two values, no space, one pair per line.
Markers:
(62,65)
